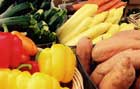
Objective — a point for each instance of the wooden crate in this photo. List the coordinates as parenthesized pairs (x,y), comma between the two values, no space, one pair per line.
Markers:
(134,2)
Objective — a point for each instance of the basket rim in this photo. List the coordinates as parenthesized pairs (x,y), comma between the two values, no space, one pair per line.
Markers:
(77,80)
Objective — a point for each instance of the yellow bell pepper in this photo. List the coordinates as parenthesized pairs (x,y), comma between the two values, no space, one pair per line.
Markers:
(4,78)
(58,61)
(43,81)
(39,81)
(22,80)
(15,79)
(12,79)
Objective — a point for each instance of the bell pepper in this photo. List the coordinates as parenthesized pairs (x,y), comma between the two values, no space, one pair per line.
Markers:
(43,81)
(17,51)
(58,61)
(28,45)
(15,79)
(31,66)
(22,80)
(11,50)
(11,83)
(5,49)
(4,78)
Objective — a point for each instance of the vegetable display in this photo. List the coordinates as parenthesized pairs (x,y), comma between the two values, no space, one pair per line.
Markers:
(29,16)
(109,53)
(116,56)
(97,26)
(42,43)
(17,49)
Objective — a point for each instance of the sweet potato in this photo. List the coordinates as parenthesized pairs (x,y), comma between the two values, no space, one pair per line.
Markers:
(102,69)
(83,50)
(137,83)
(120,77)
(121,41)
(135,34)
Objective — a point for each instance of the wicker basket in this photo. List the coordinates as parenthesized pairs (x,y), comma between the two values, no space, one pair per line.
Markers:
(77,80)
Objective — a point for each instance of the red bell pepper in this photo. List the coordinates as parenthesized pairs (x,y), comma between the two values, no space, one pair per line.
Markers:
(25,57)
(31,66)
(11,51)
(29,46)
(5,49)
(35,67)
(17,51)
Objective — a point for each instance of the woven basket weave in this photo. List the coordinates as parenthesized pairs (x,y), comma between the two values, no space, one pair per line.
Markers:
(77,80)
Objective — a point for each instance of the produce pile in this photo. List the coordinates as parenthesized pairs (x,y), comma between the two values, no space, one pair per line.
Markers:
(107,44)
(35,17)
(94,21)
(117,60)
(18,70)
(23,65)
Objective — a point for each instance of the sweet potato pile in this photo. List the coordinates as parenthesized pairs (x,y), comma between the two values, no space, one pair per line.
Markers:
(117,58)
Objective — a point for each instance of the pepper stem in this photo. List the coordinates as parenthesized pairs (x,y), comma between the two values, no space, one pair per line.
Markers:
(5,27)
(29,66)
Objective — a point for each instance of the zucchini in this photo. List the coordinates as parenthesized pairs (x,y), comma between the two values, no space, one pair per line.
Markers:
(45,5)
(39,14)
(4,4)
(22,21)
(43,35)
(57,19)
(48,14)
(17,9)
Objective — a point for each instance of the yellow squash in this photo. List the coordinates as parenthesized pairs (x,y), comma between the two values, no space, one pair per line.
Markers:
(126,26)
(84,12)
(92,33)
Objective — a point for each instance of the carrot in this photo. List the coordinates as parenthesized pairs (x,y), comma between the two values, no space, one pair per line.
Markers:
(119,4)
(28,45)
(99,2)
(79,5)
(107,6)
(91,0)
(95,1)
(102,2)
